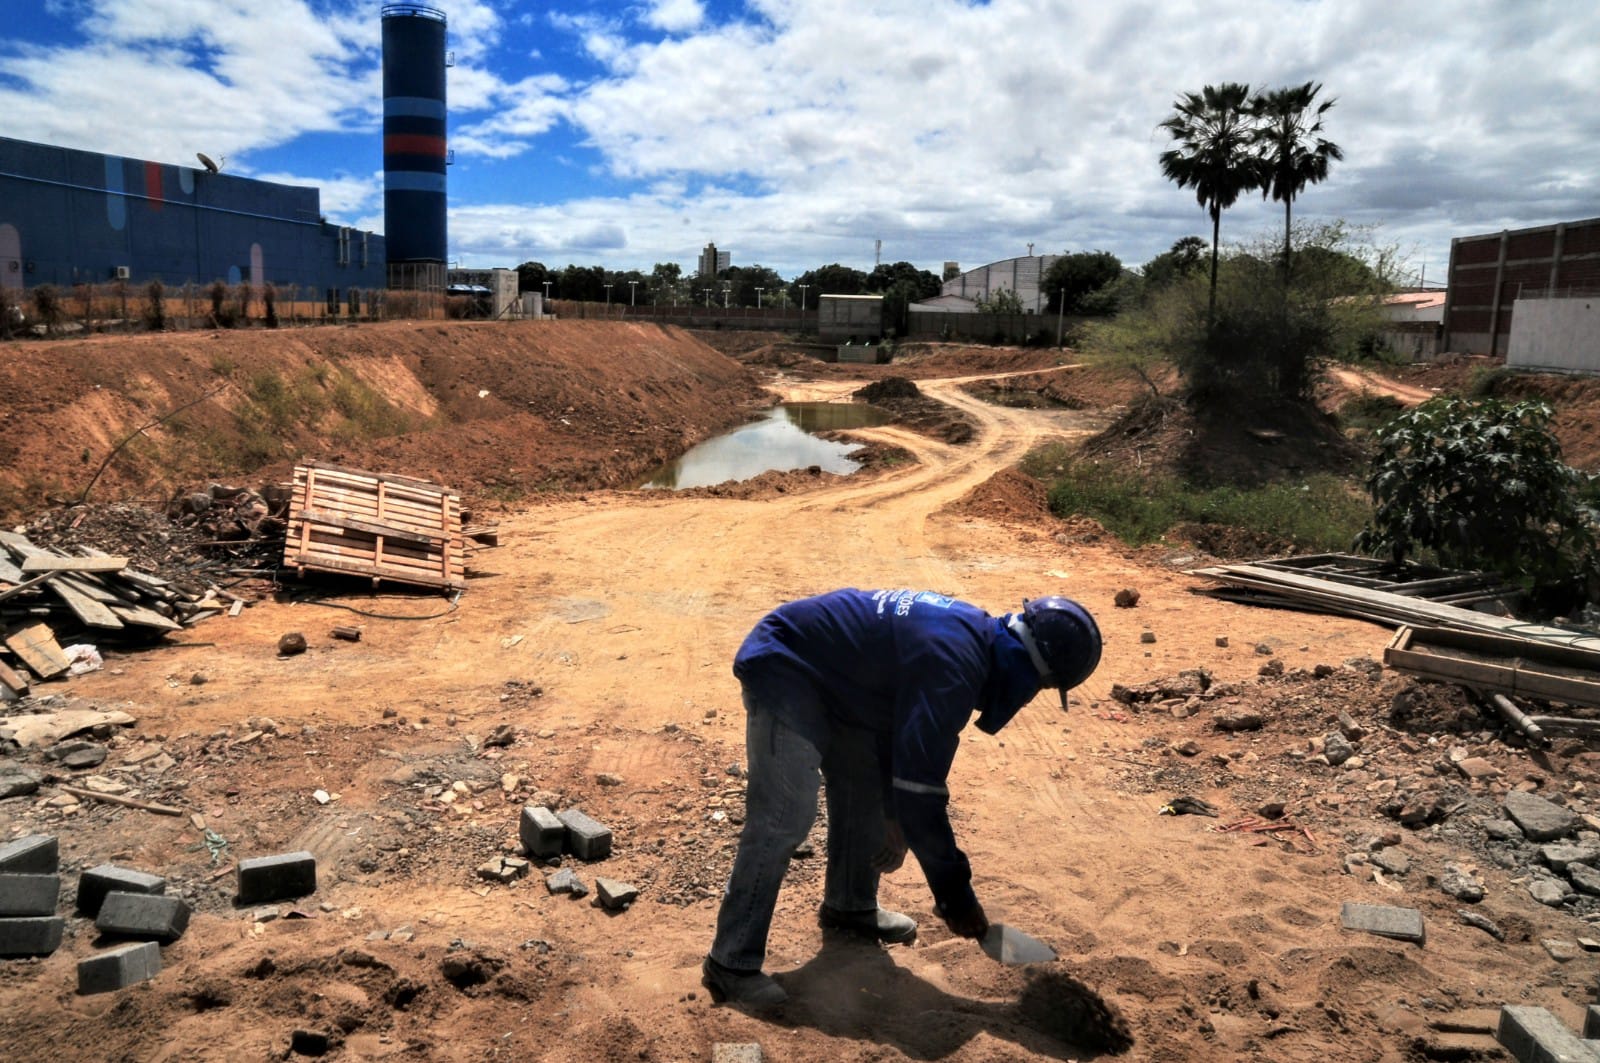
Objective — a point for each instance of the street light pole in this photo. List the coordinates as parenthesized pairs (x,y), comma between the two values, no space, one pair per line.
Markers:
(707,292)
(803,288)
(608,294)
(632,286)
(547,294)
(758,297)
(725,288)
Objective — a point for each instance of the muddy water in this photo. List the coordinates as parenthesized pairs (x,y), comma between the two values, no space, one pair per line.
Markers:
(780,441)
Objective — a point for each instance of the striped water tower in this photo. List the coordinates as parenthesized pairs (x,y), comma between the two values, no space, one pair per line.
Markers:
(414,153)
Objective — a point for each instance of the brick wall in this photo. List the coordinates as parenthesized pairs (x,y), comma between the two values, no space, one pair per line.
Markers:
(1489,272)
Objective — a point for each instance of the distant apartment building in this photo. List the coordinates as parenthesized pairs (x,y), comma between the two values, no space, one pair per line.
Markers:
(713,261)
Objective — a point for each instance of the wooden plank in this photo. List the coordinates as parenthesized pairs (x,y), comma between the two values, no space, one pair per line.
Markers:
(1419,612)
(8,572)
(396,576)
(73,564)
(394,531)
(408,487)
(12,681)
(365,505)
(357,552)
(38,649)
(25,585)
(142,617)
(1514,666)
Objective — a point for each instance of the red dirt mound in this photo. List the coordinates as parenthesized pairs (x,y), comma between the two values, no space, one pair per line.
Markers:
(496,411)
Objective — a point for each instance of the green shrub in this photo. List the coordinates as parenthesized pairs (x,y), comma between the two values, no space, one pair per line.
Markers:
(1481,485)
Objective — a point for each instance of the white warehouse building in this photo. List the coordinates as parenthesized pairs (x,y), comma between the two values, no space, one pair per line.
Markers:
(1024,276)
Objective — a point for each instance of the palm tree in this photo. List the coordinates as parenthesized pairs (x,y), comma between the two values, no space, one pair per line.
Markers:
(1214,129)
(1293,152)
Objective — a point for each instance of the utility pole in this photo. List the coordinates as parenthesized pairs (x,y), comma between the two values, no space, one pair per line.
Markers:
(725,289)
(758,297)
(547,291)
(707,292)
(632,285)
(803,288)
(608,295)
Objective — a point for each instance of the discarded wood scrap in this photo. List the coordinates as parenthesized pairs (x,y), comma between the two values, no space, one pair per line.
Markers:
(47,597)
(1499,668)
(388,528)
(1284,584)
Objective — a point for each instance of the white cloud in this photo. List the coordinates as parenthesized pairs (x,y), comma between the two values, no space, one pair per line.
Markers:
(797,132)
(674,16)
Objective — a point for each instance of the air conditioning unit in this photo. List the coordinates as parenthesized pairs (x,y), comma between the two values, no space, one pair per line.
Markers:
(120,272)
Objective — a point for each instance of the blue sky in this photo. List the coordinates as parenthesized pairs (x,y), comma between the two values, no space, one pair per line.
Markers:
(795,133)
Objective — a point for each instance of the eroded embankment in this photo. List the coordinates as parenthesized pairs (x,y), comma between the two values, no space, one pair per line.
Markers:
(496,411)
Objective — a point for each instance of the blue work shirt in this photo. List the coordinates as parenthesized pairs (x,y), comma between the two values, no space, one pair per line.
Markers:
(910,667)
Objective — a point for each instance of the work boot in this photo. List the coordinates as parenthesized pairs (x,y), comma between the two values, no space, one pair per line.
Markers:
(751,988)
(879,924)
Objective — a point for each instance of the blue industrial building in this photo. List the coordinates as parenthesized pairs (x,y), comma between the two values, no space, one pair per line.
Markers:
(78,217)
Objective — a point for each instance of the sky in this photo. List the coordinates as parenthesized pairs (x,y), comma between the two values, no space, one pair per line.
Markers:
(798,133)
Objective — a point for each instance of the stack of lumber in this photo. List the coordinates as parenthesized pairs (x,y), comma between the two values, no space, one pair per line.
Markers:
(44,593)
(1326,584)
(381,526)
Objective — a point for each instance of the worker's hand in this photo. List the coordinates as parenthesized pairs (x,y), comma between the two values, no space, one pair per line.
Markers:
(888,859)
(971,923)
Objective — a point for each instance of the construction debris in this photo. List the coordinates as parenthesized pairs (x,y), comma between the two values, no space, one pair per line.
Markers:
(390,528)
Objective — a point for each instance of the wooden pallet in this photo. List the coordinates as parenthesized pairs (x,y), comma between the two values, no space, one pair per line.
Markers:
(389,528)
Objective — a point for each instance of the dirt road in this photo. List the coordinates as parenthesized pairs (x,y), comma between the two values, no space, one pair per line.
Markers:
(602,632)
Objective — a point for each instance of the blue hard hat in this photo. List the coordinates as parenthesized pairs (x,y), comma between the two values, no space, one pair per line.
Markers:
(1067,637)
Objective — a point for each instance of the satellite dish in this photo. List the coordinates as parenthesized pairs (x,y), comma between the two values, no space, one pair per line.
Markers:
(205,160)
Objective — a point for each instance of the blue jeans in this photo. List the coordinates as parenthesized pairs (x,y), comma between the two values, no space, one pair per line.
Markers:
(785,768)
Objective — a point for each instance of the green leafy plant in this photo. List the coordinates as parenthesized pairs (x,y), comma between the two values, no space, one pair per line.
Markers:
(1481,484)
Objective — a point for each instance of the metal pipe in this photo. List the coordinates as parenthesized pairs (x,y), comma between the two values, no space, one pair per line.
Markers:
(1518,719)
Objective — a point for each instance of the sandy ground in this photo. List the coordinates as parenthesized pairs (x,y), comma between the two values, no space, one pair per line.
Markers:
(600,632)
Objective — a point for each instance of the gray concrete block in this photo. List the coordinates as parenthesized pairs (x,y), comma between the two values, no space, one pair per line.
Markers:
(1591,1023)
(276,878)
(37,935)
(139,915)
(586,839)
(29,894)
(1533,1035)
(542,833)
(37,854)
(95,883)
(615,896)
(1383,920)
(119,968)
(566,881)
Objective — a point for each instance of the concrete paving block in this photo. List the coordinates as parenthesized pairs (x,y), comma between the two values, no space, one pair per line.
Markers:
(119,968)
(1384,920)
(276,878)
(95,883)
(1534,1035)
(566,881)
(732,1053)
(37,854)
(29,894)
(586,839)
(140,915)
(542,833)
(615,896)
(37,935)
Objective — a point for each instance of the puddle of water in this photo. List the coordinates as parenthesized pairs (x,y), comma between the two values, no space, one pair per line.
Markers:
(781,441)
